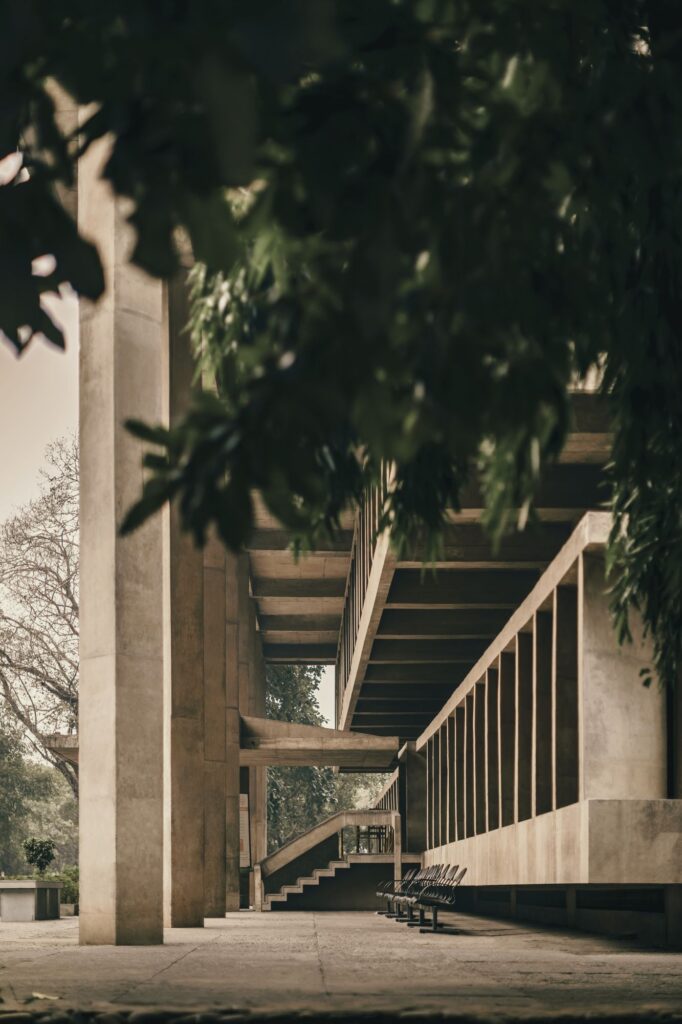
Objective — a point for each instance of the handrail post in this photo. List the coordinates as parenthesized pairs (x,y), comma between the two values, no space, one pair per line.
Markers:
(397,847)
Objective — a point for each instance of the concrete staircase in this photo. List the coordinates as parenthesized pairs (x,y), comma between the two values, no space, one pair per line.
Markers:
(301,883)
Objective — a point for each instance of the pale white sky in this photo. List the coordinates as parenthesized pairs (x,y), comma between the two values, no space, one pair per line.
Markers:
(38,403)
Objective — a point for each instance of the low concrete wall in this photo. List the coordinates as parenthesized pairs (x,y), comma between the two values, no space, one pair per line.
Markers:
(594,841)
(28,900)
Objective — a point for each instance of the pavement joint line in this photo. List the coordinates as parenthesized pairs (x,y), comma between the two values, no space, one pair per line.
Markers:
(319,957)
(122,995)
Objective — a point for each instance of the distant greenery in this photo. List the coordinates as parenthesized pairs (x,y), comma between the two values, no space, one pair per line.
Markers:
(299,797)
(21,783)
(423,222)
(34,800)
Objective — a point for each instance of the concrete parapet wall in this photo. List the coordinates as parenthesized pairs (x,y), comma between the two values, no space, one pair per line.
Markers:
(594,841)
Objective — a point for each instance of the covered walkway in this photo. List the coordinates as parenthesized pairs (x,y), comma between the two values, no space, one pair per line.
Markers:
(326,962)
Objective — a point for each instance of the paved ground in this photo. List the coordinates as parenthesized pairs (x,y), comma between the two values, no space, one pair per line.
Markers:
(339,961)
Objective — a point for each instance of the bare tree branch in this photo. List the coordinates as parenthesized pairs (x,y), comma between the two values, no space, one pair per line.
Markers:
(39,607)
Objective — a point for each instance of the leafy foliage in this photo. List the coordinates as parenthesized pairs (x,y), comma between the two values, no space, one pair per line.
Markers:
(442,215)
(56,815)
(39,853)
(39,607)
(300,797)
(22,784)
(69,877)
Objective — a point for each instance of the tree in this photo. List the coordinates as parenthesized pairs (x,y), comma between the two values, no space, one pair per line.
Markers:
(56,815)
(297,797)
(39,853)
(39,608)
(23,784)
(423,223)
(300,797)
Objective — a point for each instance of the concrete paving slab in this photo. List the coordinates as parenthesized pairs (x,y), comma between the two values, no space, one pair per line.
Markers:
(340,962)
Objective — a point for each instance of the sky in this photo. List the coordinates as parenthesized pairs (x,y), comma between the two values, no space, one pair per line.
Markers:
(38,403)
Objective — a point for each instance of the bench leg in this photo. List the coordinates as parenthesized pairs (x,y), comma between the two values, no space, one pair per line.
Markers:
(420,923)
(437,928)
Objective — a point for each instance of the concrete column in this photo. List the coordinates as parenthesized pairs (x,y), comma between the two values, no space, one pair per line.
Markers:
(232,688)
(460,725)
(122,339)
(673,916)
(543,718)
(443,746)
(492,739)
(565,681)
(214,767)
(623,736)
(675,740)
(480,767)
(452,789)
(508,712)
(184,665)
(258,776)
(469,775)
(524,725)
(435,788)
(411,799)
(429,797)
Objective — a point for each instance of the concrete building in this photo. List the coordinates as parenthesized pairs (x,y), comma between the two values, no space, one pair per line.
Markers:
(520,739)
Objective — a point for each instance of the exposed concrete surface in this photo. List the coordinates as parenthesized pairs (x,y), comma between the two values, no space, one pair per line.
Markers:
(328,962)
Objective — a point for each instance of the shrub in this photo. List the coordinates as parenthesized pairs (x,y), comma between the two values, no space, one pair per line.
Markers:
(39,853)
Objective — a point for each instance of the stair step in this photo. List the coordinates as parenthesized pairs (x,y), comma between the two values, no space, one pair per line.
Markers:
(305,880)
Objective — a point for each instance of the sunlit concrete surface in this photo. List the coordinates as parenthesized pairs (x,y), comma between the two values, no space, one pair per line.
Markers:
(340,961)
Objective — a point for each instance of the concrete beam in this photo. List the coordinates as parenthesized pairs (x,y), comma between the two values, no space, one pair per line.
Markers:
(376,592)
(443,651)
(265,741)
(280,540)
(460,588)
(470,547)
(298,588)
(471,623)
(304,654)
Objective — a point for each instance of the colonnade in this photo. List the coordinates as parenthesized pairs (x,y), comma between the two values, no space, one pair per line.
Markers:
(170,653)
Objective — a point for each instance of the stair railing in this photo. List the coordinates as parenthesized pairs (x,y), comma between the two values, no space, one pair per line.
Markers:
(371,818)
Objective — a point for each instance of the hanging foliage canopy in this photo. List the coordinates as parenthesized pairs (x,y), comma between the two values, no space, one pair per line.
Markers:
(421,224)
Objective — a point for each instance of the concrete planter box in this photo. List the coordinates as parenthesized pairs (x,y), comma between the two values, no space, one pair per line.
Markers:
(29,900)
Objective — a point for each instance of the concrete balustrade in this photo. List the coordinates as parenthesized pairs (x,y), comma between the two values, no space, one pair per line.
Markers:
(548,764)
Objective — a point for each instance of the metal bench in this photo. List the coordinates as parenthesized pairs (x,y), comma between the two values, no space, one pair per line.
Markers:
(441,896)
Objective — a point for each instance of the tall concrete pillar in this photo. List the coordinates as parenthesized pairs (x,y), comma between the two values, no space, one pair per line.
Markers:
(257,776)
(215,777)
(121,682)
(623,735)
(184,664)
(233,571)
